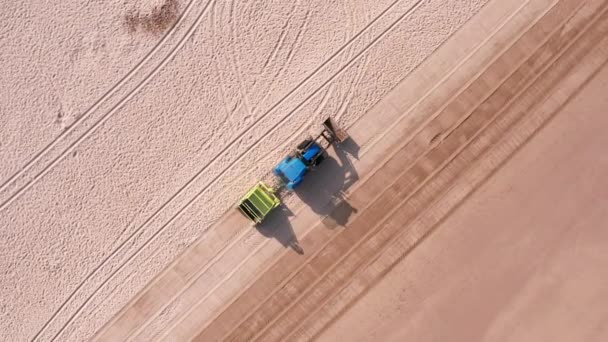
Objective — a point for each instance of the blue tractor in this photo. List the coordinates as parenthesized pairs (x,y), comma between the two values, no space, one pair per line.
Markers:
(308,154)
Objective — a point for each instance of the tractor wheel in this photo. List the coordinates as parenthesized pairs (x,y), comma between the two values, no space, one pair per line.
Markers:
(319,159)
(304,144)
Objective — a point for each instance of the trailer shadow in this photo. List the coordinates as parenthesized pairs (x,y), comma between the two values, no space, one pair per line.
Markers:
(277,226)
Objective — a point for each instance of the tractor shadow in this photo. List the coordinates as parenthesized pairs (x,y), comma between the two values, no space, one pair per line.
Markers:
(322,190)
(277,226)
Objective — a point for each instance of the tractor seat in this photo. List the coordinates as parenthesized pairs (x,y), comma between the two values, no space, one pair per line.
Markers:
(311,152)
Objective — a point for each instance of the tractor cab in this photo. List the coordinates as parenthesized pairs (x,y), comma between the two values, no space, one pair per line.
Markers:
(309,154)
(292,169)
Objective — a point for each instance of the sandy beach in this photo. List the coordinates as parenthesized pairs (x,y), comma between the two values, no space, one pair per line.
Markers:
(129,130)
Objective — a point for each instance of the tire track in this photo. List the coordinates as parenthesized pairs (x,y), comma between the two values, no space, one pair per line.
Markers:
(287,62)
(407,241)
(89,131)
(284,323)
(232,58)
(229,112)
(274,53)
(356,80)
(93,108)
(281,40)
(350,93)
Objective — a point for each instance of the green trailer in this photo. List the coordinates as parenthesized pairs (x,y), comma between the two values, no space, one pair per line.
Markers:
(258,202)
